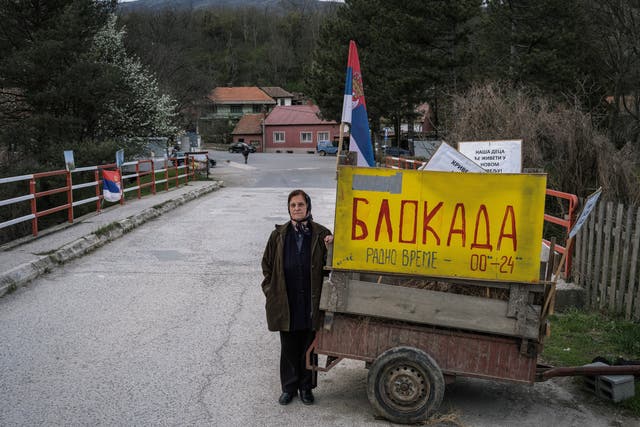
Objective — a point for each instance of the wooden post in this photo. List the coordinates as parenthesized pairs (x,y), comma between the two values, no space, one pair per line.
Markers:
(584,239)
(561,263)
(591,295)
(605,292)
(548,275)
(614,286)
(632,270)
(577,262)
(626,248)
(552,296)
(597,294)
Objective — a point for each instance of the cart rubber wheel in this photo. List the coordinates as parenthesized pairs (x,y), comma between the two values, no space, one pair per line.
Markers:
(405,385)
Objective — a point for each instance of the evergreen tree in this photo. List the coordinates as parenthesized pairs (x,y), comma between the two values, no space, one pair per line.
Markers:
(546,44)
(42,43)
(584,50)
(71,82)
(409,52)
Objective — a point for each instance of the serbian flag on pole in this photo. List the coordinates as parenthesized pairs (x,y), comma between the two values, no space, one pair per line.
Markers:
(354,110)
(111,188)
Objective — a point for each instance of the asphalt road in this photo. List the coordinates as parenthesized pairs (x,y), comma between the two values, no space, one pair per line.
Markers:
(166,326)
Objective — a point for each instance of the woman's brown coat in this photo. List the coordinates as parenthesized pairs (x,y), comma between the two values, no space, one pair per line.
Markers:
(274,286)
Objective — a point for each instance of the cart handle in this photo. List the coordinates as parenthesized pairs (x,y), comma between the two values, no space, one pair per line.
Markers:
(545,373)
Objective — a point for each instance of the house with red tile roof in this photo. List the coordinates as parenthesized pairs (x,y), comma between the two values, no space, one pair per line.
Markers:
(234,102)
(249,130)
(297,129)
(281,96)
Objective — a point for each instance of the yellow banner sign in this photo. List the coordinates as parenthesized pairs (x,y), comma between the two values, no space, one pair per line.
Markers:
(443,224)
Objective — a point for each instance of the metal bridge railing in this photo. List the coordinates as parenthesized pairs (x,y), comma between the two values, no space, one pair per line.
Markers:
(184,168)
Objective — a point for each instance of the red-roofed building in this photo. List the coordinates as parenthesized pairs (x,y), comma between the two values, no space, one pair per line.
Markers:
(249,130)
(297,129)
(281,96)
(234,102)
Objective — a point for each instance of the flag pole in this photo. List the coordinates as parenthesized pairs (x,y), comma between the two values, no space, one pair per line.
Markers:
(339,148)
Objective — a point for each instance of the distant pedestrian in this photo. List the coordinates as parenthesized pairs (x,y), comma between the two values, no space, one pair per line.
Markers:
(245,153)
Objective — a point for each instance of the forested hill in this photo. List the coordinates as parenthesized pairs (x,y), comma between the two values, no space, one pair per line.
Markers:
(140,5)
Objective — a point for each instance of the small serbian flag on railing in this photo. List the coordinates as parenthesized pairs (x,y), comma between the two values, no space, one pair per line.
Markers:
(111,187)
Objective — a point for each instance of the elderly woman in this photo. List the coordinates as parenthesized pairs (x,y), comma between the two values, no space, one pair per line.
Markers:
(292,265)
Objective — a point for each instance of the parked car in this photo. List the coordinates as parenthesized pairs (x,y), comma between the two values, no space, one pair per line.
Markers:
(326,147)
(396,152)
(238,147)
(177,157)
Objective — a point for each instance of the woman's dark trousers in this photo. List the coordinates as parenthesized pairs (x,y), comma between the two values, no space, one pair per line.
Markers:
(293,373)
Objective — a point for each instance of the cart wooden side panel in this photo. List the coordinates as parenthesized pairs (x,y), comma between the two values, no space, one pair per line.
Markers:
(517,316)
(456,352)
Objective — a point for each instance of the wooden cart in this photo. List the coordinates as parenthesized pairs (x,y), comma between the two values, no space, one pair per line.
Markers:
(435,275)
(414,341)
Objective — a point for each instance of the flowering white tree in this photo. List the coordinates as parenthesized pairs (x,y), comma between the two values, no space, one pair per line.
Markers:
(135,107)
(67,82)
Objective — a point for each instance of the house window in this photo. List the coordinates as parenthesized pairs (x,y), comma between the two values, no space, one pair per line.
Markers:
(306,137)
(278,137)
(236,109)
(257,108)
(323,136)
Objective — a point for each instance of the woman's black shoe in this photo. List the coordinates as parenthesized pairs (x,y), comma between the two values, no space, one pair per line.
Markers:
(285,398)
(306,396)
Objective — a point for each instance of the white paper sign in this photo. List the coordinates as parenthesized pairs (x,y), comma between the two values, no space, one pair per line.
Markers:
(495,156)
(588,207)
(68,160)
(448,159)
(119,158)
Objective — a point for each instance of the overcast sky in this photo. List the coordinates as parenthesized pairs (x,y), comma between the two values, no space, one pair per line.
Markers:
(337,1)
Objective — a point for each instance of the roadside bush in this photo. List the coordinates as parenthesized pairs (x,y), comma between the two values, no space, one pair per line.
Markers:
(557,137)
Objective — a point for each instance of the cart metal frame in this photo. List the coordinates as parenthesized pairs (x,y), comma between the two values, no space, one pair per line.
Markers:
(410,352)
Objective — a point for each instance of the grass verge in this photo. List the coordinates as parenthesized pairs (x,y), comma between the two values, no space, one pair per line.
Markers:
(577,337)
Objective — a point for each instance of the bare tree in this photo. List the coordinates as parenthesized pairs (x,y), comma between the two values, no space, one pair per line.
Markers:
(557,137)
(617,23)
